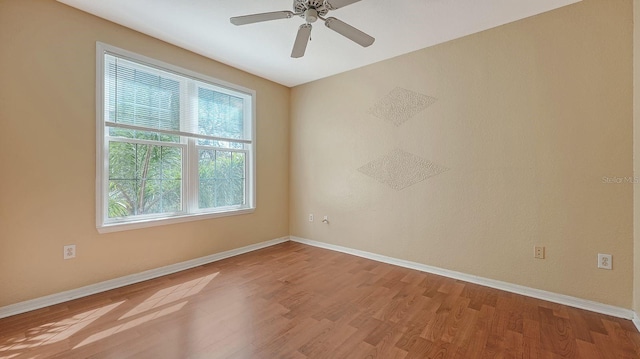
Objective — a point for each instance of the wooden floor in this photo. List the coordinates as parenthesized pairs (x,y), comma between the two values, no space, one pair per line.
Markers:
(296,301)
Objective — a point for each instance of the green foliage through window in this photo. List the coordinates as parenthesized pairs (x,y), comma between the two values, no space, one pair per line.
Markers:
(144,179)
(222,178)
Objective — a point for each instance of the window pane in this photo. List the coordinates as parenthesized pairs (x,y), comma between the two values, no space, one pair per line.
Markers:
(220,115)
(222,178)
(144,179)
(122,197)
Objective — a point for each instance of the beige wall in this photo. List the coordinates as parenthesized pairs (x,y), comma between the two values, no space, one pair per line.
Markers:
(47,157)
(529,118)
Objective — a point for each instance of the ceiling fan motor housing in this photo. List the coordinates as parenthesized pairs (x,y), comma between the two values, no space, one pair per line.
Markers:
(301,6)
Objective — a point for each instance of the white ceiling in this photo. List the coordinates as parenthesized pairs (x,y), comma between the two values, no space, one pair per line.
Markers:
(263,49)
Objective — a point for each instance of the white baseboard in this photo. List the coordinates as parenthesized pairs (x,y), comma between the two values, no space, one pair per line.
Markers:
(636,321)
(508,287)
(57,298)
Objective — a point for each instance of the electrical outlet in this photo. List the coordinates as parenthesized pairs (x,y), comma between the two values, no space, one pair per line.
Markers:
(69,251)
(604,261)
(311,217)
(538,252)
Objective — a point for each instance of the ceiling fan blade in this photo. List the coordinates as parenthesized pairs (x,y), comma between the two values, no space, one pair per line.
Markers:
(349,32)
(302,39)
(266,16)
(336,4)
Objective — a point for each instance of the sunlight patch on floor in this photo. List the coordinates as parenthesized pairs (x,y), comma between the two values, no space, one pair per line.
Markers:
(170,295)
(58,331)
(131,324)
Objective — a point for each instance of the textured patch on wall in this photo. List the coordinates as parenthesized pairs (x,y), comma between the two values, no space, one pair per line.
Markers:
(400,169)
(399,105)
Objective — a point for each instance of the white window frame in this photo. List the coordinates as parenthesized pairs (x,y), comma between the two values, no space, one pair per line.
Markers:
(189,151)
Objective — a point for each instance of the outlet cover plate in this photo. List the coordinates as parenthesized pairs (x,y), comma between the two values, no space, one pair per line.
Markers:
(69,251)
(605,261)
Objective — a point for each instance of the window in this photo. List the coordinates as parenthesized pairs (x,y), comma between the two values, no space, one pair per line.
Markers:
(172,145)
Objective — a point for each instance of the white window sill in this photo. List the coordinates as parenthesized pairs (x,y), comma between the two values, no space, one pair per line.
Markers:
(146,223)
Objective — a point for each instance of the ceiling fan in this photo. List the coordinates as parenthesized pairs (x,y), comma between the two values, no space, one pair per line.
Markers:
(310,11)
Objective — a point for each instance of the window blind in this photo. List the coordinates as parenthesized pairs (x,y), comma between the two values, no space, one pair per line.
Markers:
(144,98)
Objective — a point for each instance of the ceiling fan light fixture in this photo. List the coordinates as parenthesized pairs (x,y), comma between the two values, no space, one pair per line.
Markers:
(311,15)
